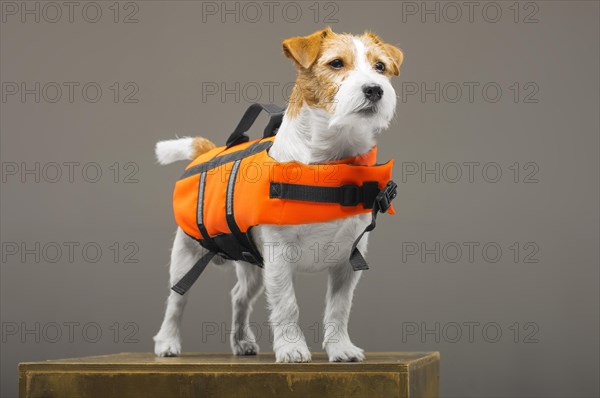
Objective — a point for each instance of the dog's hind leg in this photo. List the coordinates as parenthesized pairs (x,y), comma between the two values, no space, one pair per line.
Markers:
(340,290)
(184,255)
(243,295)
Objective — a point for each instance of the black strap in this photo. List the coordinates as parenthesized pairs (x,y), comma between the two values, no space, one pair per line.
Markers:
(381,204)
(239,134)
(208,241)
(192,275)
(368,194)
(229,216)
(345,195)
(215,162)
(250,253)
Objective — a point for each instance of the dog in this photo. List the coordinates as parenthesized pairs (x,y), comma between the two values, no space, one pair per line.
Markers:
(341,101)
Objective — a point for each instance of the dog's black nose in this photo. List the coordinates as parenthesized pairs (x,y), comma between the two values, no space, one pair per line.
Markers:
(373,92)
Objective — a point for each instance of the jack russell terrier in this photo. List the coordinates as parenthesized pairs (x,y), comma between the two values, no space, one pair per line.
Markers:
(341,101)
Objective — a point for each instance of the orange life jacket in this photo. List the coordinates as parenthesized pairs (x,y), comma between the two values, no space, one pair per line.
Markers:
(226,191)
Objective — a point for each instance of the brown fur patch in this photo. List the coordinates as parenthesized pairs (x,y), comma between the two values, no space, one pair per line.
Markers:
(378,51)
(305,50)
(200,146)
(317,85)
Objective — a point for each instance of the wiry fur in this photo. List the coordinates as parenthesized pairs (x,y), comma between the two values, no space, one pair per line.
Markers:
(170,151)
(321,124)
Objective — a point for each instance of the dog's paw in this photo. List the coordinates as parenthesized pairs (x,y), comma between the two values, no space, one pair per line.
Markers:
(244,347)
(293,353)
(169,347)
(344,352)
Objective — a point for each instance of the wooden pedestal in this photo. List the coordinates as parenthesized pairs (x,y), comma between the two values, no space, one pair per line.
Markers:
(223,375)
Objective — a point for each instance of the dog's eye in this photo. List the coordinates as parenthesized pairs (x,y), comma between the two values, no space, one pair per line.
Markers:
(336,64)
(380,67)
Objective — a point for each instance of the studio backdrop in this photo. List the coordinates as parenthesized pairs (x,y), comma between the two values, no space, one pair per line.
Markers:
(491,259)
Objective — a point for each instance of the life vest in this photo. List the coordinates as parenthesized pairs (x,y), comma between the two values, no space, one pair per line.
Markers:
(226,191)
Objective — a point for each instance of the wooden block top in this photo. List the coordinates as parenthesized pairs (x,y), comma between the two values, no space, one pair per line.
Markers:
(376,361)
(218,375)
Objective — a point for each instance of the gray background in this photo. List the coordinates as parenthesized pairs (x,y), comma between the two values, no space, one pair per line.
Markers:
(171,53)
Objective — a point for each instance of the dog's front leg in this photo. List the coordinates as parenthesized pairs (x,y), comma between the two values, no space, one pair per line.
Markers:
(288,340)
(340,291)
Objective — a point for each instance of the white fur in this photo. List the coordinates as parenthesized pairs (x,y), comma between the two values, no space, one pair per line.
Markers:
(170,151)
(350,97)
(313,136)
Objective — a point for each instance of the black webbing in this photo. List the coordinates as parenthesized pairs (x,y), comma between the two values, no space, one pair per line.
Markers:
(368,194)
(192,275)
(345,195)
(239,134)
(381,204)
(227,158)
(209,243)
(250,254)
(229,216)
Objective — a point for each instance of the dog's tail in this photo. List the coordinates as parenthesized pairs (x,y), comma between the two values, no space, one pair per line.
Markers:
(186,148)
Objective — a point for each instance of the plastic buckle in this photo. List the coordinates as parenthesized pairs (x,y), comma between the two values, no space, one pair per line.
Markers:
(350,195)
(386,195)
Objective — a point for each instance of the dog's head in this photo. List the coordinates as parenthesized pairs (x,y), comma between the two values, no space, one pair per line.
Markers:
(347,76)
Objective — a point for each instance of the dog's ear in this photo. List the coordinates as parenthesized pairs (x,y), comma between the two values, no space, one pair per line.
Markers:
(305,50)
(396,55)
